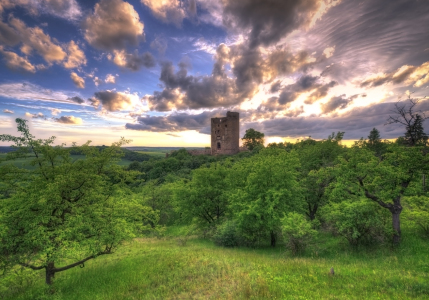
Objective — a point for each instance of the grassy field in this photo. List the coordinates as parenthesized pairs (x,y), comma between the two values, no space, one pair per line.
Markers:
(22,162)
(161,269)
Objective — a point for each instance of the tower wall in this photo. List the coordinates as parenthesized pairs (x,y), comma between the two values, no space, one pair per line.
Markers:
(225,134)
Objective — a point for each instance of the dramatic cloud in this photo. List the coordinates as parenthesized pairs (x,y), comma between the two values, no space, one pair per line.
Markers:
(66,9)
(71,120)
(35,116)
(16,62)
(133,61)
(334,103)
(8,36)
(356,123)
(77,80)
(29,91)
(7,111)
(267,23)
(184,91)
(76,99)
(418,76)
(75,57)
(35,39)
(175,122)
(113,101)
(113,25)
(171,11)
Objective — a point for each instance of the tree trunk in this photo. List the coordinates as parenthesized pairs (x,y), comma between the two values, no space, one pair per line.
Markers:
(273,239)
(396,210)
(50,272)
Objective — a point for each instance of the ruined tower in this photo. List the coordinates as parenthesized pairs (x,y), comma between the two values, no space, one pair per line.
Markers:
(225,134)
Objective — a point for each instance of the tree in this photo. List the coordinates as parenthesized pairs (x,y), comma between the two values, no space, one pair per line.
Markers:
(204,198)
(61,210)
(265,189)
(374,142)
(253,138)
(383,180)
(405,115)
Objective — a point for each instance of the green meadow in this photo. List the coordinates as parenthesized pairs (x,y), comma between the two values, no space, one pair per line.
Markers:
(165,268)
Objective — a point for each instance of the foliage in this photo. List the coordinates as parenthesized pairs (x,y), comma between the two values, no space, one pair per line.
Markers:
(252,138)
(297,231)
(360,222)
(63,209)
(227,234)
(204,199)
(418,212)
(382,180)
(375,144)
(264,189)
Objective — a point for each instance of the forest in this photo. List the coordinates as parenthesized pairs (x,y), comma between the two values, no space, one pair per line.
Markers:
(306,199)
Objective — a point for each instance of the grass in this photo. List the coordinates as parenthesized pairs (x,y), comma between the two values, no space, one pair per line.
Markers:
(161,269)
(154,153)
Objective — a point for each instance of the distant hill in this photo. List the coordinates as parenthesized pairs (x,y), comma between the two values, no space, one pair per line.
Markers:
(6,149)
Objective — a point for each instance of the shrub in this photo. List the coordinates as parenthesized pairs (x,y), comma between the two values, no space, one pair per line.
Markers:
(418,212)
(297,231)
(227,235)
(360,222)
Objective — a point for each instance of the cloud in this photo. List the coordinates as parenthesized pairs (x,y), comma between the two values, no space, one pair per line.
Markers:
(334,103)
(418,76)
(356,123)
(75,58)
(110,78)
(69,120)
(134,61)
(76,99)
(97,81)
(320,92)
(33,38)
(267,23)
(183,91)
(7,111)
(16,62)
(55,111)
(8,36)
(114,101)
(29,91)
(175,122)
(66,9)
(35,116)
(77,80)
(113,26)
(159,44)
(171,11)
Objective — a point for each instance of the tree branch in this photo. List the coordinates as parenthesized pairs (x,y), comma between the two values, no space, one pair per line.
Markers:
(107,251)
(31,266)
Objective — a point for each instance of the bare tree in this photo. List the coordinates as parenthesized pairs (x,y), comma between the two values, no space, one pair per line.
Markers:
(406,114)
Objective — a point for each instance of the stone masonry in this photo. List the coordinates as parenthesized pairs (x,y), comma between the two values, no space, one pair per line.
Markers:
(225,134)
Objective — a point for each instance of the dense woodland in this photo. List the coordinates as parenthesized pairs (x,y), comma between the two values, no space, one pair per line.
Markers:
(63,212)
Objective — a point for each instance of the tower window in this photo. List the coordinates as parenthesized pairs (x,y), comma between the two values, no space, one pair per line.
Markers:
(218,146)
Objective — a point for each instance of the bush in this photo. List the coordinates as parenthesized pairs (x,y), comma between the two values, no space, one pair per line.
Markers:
(227,235)
(297,231)
(360,222)
(417,211)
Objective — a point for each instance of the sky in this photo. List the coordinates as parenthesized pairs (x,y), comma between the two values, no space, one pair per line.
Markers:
(156,71)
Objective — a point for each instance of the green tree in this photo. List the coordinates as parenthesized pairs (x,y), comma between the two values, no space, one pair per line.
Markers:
(383,180)
(374,142)
(204,197)
(265,189)
(63,211)
(253,138)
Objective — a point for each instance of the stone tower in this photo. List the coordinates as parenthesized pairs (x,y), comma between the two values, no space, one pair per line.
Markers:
(225,134)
